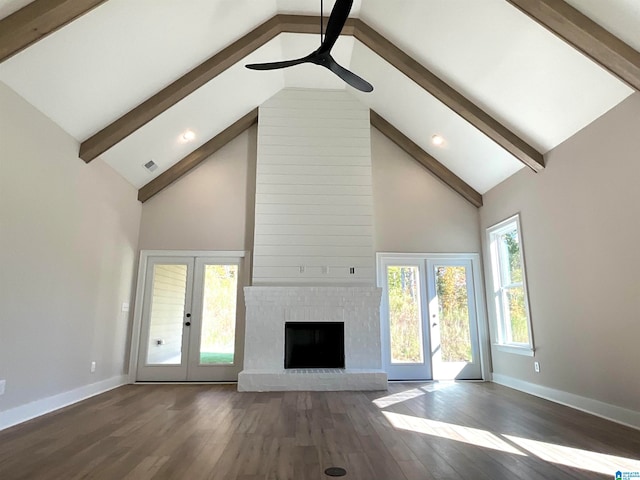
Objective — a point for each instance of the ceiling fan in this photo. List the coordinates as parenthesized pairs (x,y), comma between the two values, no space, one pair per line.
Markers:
(322,56)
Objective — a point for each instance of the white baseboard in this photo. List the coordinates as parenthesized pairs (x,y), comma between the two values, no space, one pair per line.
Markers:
(16,415)
(624,416)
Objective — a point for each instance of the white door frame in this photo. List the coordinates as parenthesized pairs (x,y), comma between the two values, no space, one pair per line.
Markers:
(383,258)
(244,278)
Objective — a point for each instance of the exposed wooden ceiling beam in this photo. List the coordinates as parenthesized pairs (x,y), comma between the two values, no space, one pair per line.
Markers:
(586,36)
(187,84)
(154,106)
(181,88)
(309,24)
(37,20)
(450,97)
(426,160)
(197,156)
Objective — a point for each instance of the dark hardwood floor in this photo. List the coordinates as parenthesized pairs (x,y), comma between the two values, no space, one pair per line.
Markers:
(413,431)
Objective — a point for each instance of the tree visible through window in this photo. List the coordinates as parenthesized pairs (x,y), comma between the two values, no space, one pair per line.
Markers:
(453,312)
(405,317)
(508,277)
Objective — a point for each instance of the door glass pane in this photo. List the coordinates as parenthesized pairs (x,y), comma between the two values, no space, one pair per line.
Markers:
(218,335)
(405,317)
(453,313)
(167,315)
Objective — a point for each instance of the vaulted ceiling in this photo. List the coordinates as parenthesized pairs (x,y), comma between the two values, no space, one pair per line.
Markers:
(499,87)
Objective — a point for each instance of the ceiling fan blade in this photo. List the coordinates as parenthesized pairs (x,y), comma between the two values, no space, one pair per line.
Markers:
(322,56)
(351,78)
(276,65)
(336,22)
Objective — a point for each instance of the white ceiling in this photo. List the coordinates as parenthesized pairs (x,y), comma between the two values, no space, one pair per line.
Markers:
(469,153)
(100,66)
(620,17)
(7,7)
(510,66)
(312,7)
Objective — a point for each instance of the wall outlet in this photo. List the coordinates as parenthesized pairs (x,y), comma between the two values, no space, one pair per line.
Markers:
(301,268)
(93,367)
(325,270)
(536,367)
(2,385)
(352,270)
(125,306)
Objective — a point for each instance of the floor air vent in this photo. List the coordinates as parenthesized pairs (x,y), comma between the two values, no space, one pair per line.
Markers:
(335,472)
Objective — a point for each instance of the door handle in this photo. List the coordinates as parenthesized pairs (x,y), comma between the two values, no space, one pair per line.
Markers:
(187,324)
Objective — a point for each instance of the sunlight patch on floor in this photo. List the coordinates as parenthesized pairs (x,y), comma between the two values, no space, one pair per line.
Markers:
(399,397)
(388,400)
(548,452)
(450,431)
(576,458)
(439,385)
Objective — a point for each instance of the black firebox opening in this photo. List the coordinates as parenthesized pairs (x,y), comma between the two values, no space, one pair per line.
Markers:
(314,345)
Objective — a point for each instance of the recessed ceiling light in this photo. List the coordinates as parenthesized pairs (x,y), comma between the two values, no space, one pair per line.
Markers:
(437,140)
(188,135)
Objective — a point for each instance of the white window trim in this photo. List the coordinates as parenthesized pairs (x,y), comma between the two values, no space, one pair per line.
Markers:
(495,310)
(514,348)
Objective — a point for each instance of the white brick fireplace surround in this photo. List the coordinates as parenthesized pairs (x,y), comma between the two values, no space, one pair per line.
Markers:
(269,307)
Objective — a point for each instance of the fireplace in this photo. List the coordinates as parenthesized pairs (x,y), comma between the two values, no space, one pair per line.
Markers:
(353,311)
(314,345)
(313,256)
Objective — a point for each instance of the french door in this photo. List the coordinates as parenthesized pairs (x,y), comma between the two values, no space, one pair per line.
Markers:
(192,326)
(429,317)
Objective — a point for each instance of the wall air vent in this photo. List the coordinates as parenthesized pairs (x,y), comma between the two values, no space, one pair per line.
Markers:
(151,166)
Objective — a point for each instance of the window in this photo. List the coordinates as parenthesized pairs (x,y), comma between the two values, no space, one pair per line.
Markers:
(511,306)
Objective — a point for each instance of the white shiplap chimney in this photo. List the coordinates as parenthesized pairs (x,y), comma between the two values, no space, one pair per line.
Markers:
(314,201)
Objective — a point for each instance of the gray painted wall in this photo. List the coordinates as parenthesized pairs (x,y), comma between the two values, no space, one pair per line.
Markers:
(413,210)
(211,208)
(581,234)
(68,242)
